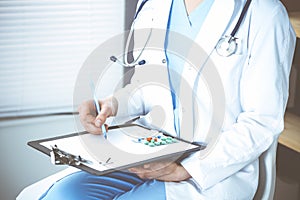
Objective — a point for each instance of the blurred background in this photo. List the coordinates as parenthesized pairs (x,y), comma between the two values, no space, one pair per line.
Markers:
(43,44)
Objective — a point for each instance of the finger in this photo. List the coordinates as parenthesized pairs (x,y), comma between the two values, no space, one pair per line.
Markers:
(155,174)
(87,120)
(147,166)
(87,113)
(132,170)
(152,170)
(137,170)
(167,178)
(154,166)
(160,170)
(151,167)
(90,126)
(102,116)
(179,174)
(139,173)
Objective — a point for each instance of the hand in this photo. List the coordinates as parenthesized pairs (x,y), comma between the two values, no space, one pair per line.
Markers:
(163,171)
(88,118)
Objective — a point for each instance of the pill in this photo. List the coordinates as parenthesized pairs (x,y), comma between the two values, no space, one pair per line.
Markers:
(169,141)
(151,144)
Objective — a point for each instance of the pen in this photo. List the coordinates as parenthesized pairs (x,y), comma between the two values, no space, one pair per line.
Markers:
(98,109)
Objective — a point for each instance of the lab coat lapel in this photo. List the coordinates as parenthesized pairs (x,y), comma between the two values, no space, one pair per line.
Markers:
(211,31)
(162,13)
(215,24)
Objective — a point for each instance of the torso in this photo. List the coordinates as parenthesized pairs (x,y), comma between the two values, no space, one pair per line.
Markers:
(191,5)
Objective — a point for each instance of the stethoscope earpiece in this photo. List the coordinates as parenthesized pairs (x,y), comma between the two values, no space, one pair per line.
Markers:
(137,61)
(116,60)
(113,58)
(142,62)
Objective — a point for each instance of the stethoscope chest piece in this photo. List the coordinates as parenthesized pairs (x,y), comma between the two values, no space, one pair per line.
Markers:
(226,46)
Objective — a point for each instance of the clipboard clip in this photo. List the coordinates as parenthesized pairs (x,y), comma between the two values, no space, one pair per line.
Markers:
(59,157)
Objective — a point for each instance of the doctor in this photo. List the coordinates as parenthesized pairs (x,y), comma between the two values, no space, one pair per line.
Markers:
(255,78)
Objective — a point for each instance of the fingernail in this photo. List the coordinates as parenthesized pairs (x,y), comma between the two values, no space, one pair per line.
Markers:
(98,123)
(132,170)
(146,166)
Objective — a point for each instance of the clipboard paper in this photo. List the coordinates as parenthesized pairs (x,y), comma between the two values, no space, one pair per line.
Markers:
(123,149)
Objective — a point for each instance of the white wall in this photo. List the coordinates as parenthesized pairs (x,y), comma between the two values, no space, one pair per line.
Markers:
(21,165)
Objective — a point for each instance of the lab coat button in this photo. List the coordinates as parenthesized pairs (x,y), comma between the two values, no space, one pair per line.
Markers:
(164,60)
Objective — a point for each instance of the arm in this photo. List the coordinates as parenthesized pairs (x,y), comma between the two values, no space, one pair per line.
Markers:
(263,97)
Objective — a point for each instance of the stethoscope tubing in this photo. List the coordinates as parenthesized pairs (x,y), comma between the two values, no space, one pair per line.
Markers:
(140,8)
(242,16)
(229,49)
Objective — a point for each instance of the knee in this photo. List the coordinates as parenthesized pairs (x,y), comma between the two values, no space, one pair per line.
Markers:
(69,187)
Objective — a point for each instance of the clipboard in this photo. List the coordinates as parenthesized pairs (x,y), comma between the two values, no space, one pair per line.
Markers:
(125,147)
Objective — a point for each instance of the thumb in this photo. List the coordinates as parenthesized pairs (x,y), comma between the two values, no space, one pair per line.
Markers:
(102,116)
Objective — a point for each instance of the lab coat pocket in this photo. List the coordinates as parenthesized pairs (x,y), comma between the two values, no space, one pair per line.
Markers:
(230,72)
(229,68)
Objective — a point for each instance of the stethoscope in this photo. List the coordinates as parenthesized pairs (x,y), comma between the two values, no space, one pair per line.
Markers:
(226,46)
(137,60)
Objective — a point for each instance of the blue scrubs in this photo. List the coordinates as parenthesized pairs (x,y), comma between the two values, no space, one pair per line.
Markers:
(122,185)
(117,185)
(189,26)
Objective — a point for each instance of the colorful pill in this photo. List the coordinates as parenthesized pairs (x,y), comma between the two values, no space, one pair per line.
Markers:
(157,143)
(169,141)
(151,144)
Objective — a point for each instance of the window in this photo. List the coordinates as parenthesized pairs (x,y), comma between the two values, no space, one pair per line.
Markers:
(43,44)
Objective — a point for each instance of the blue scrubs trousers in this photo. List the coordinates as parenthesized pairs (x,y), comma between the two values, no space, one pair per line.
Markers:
(117,185)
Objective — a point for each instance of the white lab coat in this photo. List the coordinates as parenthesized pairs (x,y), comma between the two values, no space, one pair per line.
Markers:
(255,81)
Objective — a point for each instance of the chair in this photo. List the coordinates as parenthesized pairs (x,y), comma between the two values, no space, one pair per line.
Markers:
(267,174)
